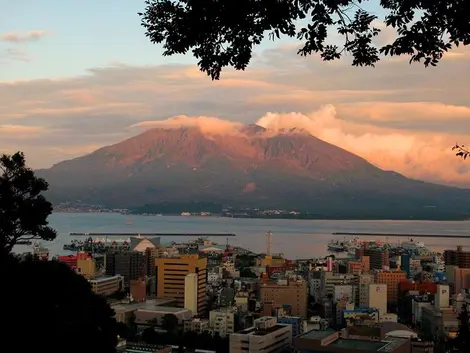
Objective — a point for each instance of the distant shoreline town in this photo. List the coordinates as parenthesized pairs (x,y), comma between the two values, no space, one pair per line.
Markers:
(253,214)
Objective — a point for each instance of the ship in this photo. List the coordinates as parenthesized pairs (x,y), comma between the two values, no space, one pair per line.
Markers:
(337,246)
(411,245)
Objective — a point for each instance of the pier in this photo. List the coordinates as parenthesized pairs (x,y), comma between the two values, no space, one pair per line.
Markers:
(115,234)
(404,235)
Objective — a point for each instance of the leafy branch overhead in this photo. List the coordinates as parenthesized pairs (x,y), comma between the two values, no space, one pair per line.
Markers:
(461,151)
(224,33)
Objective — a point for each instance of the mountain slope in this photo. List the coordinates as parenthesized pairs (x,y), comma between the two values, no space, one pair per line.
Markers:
(251,167)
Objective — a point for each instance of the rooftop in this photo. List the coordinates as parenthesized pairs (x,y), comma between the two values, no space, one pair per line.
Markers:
(318,335)
(169,309)
(104,278)
(152,304)
(254,332)
(361,310)
(363,345)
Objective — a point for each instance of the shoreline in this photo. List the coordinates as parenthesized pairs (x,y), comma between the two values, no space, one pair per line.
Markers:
(304,217)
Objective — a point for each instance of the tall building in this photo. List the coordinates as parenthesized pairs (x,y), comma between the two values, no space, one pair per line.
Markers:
(442,297)
(171,278)
(392,279)
(363,282)
(191,293)
(378,257)
(406,264)
(378,297)
(222,321)
(461,279)
(360,266)
(288,293)
(457,257)
(130,265)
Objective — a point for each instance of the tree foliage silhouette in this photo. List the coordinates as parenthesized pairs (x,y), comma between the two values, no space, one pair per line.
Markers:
(60,308)
(461,151)
(169,322)
(224,33)
(54,306)
(463,336)
(23,208)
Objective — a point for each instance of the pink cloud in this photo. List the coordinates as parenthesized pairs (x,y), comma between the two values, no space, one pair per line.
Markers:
(16,37)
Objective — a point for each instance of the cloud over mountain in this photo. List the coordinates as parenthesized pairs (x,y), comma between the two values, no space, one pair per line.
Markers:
(399,117)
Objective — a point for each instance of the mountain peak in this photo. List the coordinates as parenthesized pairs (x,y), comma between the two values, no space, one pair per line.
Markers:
(252,167)
(252,129)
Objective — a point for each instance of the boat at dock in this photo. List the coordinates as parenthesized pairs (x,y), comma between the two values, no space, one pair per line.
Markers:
(98,244)
(336,246)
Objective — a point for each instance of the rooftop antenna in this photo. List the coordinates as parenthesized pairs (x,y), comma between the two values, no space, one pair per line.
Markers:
(269,243)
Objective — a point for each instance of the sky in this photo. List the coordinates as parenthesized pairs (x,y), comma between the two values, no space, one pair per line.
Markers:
(79,75)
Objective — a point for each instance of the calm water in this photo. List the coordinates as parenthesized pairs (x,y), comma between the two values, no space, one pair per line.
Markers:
(294,238)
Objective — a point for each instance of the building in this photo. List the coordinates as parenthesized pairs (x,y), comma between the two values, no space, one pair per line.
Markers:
(265,336)
(329,281)
(138,289)
(298,324)
(151,255)
(269,260)
(405,264)
(457,258)
(377,297)
(332,341)
(135,347)
(360,266)
(367,316)
(125,311)
(344,292)
(86,267)
(289,293)
(461,279)
(379,258)
(362,284)
(222,321)
(420,346)
(191,292)
(441,319)
(129,264)
(392,280)
(408,286)
(106,285)
(196,325)
(141,244)
(154,314)
(71,260)
(171,278)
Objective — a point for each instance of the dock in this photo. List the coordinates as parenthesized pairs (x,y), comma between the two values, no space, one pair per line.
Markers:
(134,234)
(404,235)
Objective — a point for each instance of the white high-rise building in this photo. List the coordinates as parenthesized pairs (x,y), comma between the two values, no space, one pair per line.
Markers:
(190,292)
(377,297)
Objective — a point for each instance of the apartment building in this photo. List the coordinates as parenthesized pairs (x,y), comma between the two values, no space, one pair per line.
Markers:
(265,336)
(289,292)
(106,285)
(171,279)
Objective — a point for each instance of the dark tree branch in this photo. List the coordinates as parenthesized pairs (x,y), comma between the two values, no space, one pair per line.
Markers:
(224,33)
(461,151)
